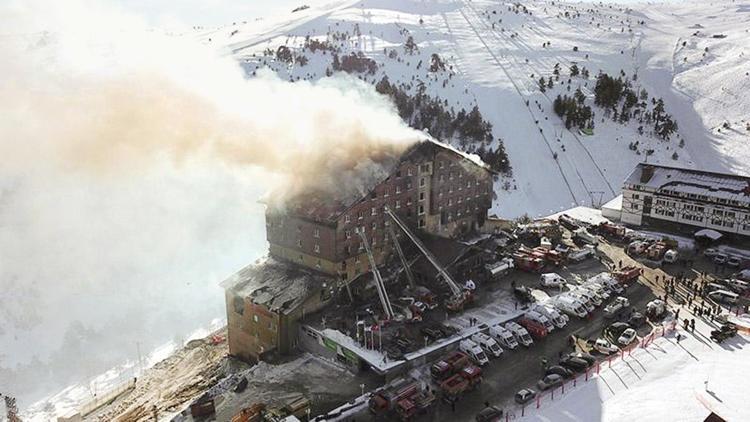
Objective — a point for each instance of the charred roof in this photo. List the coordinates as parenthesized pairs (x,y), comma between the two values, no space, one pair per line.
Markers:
(327,207)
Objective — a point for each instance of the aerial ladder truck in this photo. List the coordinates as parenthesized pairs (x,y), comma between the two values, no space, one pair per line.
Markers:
(459,297)
(379,285)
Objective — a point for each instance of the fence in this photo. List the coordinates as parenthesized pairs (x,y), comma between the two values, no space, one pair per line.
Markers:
(106,397)
(591,373)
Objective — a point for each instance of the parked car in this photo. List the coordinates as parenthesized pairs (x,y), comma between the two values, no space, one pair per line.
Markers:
(559,370)
(616,329)
(636,319)
(627,337)
(734,261)
(489,414)
(724,296)
(604,347)
(711,252)
(432,333)
(590,360)
(524,396)
(720,259)
(574,363)
(549,381)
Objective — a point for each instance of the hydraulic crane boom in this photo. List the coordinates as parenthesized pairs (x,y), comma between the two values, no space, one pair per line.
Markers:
(455,289)
(379,285)
(407,268)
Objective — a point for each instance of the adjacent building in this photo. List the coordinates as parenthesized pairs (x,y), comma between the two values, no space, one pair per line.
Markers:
(265,302)
(656,194)
(432,187)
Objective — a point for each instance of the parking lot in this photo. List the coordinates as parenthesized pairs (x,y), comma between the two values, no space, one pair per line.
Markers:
(523,367)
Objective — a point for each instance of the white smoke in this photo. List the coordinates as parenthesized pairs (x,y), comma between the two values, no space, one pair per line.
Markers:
(132,163)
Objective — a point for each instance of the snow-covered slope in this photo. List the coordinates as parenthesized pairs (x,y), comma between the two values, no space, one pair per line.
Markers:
(495,52)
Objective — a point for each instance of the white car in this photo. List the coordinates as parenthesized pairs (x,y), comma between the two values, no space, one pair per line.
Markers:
(604,347)
(627,337)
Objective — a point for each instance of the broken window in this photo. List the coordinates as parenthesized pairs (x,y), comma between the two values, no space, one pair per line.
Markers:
(238,304)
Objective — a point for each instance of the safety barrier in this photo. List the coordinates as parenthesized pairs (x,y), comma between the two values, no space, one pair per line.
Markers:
(592,372)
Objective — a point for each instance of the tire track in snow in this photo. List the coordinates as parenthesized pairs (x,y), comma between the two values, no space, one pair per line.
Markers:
(518,90)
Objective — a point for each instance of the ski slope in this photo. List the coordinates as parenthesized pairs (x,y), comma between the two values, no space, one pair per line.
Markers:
(493,48)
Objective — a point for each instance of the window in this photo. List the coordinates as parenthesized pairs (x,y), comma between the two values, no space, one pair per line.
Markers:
(717,217)
(422,181)
(316,248)
(398,189)
(373,211)
(408,171)
(421,196)
(347,218)
(255,318)
(299,242)
(450,202)
(441,164)
(421,222)
(459,199)
(408,202)
(441,177)
(440,193)
(360,247)
(385,193)
(238,304)
(421,209)
(374,225)
(360,215)
(424,168)
(408,185)
(398,173)
(398,204)
(348,250)
(316,233)
(450,175)
(318,265)
(348,234)
(356,259)
(468,184)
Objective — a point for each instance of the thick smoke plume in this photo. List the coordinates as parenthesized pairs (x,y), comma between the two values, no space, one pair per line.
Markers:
(132,163)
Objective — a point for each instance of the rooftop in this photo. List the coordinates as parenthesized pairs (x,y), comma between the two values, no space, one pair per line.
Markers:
(328,206)
(278,286)
(733,188)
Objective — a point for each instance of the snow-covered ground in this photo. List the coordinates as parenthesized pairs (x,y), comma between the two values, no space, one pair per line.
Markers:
(665,382)
(492,50)
(690,53)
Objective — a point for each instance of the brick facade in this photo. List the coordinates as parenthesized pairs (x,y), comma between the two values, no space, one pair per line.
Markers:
(433,188)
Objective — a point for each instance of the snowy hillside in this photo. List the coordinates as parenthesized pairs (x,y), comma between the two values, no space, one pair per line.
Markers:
(492,55)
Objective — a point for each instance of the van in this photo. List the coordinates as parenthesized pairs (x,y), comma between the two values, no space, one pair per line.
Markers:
(560,320)
(540,318)
(474,352)
(552,280)
(607,281)
(585,236)
(571,306)
(503,336)
(598,289)
(724,296)
(737,285)
(488,344)
(520,333)
(588,299)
